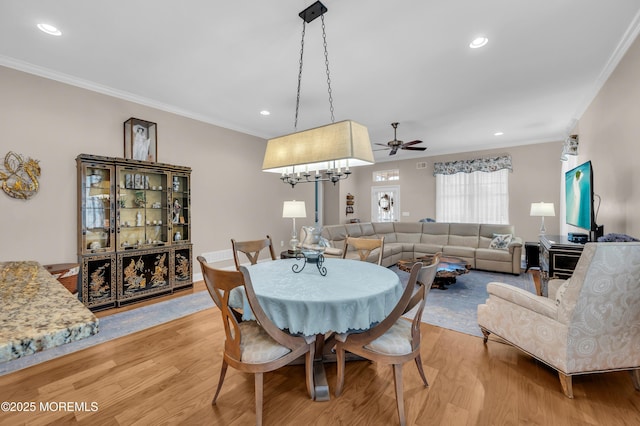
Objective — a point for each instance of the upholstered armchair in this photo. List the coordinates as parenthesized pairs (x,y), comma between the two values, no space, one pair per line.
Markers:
(589,323)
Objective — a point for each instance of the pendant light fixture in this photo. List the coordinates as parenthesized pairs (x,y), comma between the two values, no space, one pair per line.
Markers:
(324,153)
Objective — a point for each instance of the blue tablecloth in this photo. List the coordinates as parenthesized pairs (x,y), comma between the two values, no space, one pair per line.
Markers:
(352,295)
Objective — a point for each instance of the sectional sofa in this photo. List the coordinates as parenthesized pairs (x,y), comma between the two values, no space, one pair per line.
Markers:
(475,243)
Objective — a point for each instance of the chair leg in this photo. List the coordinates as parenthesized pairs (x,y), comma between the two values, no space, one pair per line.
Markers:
(259,378)
(485,334)
(308,368)
(397,379)
(340,367)
(635,376)
(567,387)
(418,360)
(223,371)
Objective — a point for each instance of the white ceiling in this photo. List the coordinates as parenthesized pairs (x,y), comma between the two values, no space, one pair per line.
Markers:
(406,61)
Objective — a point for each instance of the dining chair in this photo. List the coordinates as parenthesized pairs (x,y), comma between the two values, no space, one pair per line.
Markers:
(236,309)
(251,249)
(253,346)
(364,247)
(394,340)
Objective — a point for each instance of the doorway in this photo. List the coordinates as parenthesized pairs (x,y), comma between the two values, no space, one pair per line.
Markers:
(385,203)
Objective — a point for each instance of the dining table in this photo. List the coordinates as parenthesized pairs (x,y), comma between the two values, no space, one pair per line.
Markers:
(352,296)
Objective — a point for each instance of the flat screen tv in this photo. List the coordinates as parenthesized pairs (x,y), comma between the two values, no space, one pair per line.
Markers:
(579,196)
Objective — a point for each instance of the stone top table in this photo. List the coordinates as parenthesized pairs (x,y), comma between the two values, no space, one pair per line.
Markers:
(38,312)
(448,269)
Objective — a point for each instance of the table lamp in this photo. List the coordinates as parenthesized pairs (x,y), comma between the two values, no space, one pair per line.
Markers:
(294,209)
(542,209)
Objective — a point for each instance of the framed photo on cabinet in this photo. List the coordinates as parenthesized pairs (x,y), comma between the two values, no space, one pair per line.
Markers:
(140,140)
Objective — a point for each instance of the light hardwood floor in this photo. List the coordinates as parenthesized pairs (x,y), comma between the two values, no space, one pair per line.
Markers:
(167,375)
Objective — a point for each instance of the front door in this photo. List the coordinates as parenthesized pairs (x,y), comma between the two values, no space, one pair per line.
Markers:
(385,203)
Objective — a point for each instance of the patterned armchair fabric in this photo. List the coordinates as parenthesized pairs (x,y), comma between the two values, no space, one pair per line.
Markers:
(589,323)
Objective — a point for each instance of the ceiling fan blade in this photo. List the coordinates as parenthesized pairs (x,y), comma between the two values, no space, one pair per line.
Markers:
(394,150)
(414,148)
(382,144)
(412,143)
(381,149)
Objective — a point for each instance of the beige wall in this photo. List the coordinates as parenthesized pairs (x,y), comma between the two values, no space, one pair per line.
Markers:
(54,122)
(536,169)
(609,133)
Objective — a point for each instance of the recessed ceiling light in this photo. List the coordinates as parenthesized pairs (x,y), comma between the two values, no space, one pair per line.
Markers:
(498,134)
(478,42)
(49,29)
(265,112)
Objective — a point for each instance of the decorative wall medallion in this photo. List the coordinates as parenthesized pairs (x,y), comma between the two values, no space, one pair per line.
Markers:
(20,177)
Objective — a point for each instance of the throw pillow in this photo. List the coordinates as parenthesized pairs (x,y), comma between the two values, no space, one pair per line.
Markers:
(500,241)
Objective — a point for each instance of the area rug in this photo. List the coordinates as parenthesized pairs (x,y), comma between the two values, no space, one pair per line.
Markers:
(454,308)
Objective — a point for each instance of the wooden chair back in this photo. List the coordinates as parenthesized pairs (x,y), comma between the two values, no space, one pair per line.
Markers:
(207,278)
(426,275)
(220,284)
(364,247)
(252,250)
(358,343)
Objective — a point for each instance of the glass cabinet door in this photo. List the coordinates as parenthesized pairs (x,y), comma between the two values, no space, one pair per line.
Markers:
(97,208)
(180,205)
(143,219)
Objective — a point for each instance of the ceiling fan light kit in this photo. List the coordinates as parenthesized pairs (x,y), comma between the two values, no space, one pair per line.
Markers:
(395,144)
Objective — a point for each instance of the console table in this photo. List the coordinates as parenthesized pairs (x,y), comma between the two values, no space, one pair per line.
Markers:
(558,258)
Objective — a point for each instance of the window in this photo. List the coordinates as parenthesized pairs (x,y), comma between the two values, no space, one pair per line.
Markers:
(473,192)
(386,175)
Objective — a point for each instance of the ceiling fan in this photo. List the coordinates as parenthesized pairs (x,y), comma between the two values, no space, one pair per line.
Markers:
(395,144)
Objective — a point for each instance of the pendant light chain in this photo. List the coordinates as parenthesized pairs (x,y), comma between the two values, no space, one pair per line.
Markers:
(337,142)
(326,62)
(295,124)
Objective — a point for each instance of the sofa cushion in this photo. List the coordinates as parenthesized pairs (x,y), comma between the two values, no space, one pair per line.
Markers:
(396,248)
(367,230)
(459,251)
(463,241)
(464,234)
(435,228)
(492,254)
(421,249)
(435,233)
(353,229)
(407,227)
(403,237)
(334,232)
(434,239)
(333,251)
(385,229)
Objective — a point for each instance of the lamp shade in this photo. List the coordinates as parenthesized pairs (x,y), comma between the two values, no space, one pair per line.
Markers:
(542,209)
(294,209)
(342,144)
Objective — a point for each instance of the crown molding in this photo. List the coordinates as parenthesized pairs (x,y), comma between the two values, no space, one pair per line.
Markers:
(614,60)
(109,91)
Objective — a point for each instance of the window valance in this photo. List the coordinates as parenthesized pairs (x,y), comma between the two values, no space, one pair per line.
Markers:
(490,164)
